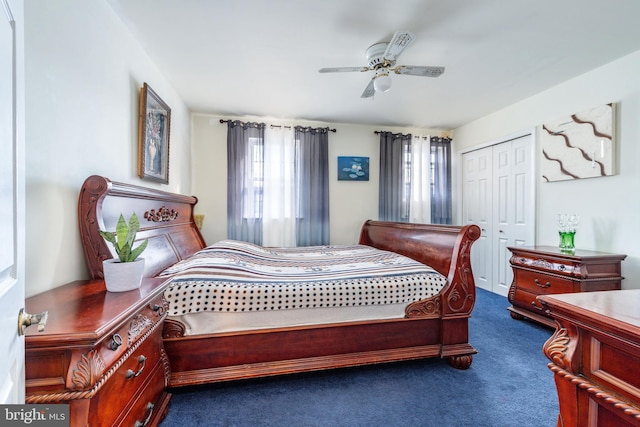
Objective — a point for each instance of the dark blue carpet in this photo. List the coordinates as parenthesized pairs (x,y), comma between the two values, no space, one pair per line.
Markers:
(508,384)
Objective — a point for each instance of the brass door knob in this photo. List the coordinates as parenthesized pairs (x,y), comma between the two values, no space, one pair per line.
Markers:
(25,319)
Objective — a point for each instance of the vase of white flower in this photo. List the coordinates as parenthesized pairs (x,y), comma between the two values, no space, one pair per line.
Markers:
(567,226)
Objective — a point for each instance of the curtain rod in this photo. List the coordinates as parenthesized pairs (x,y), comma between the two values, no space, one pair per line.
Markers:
(378,132)
(276,126)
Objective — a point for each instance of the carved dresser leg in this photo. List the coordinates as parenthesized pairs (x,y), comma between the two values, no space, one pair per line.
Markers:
(461,362)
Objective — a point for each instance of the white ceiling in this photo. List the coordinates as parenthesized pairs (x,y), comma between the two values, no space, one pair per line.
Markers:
(261,58)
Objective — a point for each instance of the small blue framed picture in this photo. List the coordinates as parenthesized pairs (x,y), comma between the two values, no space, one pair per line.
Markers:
(353,168)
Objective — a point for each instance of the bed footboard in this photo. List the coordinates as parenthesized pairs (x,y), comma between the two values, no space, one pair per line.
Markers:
(446,248)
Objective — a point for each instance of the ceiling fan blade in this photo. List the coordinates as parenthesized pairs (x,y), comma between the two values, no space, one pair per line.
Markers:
(343,69)
(369,90)
(414,70)
(400,40)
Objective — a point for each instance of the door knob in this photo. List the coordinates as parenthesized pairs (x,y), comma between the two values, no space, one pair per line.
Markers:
(25,319)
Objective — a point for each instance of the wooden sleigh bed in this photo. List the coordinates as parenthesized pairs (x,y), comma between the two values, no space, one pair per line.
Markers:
(431,327)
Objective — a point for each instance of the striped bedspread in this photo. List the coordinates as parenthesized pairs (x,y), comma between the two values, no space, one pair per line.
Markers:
(234,276)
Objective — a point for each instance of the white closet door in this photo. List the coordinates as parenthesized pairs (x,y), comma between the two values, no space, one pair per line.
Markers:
(477,209)
(500,199)
(513,191)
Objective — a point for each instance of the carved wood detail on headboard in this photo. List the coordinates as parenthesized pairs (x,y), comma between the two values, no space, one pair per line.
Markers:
(94,246)
(163,214)
(101,201)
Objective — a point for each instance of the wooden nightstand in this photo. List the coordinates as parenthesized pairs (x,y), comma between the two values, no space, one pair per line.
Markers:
(595,357)
(100,352)
(543,270)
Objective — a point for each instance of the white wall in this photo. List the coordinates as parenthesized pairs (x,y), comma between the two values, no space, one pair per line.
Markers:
(351,203)
(608,206)
(83,75)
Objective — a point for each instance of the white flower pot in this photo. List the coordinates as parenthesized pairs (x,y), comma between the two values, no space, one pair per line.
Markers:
(122,276)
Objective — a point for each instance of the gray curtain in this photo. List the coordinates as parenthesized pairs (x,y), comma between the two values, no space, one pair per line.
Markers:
(395,173)
(441,186)
(312,170)
(245,157)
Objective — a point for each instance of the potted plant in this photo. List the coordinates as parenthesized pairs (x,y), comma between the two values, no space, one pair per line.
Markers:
(125,272)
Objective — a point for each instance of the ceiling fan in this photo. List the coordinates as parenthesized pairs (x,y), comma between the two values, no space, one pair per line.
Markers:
(381,58)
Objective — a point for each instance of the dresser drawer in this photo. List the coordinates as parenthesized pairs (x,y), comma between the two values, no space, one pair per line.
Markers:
(563,267)
(123,387)
(126,336)
(540,283)
(528,301)
(146,406)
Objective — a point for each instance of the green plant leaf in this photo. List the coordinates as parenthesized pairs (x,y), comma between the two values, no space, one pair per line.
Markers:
(125,253)
(134,227)
(137,251)
(122,232)
(109,236)
(124,237)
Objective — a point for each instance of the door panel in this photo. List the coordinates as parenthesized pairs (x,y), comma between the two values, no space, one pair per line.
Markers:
(514,205)
(502,207)
(477,210)
(12,202)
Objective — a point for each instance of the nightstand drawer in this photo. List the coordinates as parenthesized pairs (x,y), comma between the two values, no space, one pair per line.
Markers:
(120,390)
(556,266)
(146,406)
(528,301)
(119,342)
(542,284)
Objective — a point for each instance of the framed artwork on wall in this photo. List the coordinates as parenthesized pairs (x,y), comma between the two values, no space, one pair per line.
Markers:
(353,168)
(580,145)
(153,137)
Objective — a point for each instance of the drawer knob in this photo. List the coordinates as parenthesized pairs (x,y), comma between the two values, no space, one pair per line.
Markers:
(116,341)
(158,309)
(141,361)
(534,305)
(545,285)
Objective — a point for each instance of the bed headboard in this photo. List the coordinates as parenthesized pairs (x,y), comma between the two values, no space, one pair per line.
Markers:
(166,220)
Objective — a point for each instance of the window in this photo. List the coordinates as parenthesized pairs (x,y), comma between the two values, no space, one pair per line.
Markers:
(441,211)
(277,189)
(395,177)
(254,180)
(415,179)
(406,186)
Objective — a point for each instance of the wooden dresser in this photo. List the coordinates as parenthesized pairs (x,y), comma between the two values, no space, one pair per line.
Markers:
(595,357)
(544,270)
(100,352)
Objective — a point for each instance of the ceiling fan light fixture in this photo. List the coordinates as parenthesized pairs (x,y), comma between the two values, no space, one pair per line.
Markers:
(382,58)
(382,81)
